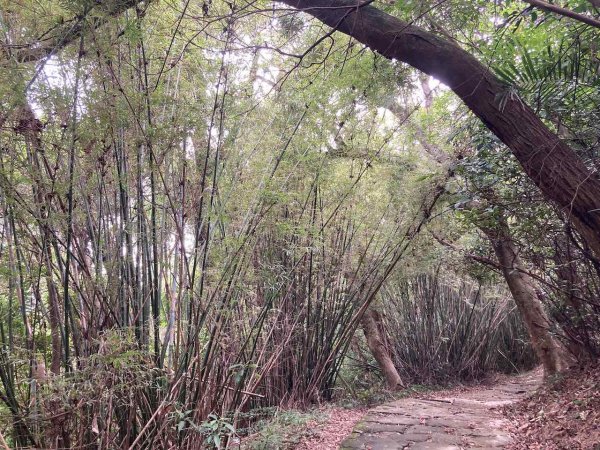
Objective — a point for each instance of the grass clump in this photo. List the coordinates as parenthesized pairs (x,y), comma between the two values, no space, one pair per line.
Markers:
(284,430)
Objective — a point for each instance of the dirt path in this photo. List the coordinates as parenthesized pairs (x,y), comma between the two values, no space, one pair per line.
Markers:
(452,421)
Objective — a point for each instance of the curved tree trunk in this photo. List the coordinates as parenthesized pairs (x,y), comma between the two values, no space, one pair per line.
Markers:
(522,287)
(553,166)
(372,328)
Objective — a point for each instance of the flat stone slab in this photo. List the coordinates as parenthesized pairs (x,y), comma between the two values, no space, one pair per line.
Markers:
(464,420)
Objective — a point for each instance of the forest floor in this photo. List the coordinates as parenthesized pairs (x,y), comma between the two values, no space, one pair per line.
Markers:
(562,414)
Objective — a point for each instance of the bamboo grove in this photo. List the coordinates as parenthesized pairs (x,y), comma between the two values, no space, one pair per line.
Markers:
(199,202)
(154,267)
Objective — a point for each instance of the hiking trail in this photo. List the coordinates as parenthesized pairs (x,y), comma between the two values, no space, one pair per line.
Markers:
(455,420)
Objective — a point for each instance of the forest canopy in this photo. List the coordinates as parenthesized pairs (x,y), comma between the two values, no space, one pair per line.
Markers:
(210,209)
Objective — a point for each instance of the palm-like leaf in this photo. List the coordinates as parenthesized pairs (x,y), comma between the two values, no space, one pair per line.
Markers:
(561,80)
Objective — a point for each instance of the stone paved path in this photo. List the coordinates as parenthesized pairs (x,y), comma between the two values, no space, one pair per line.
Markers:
(464,420)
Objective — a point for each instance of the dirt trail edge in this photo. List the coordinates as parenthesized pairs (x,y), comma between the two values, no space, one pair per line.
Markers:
(460,420)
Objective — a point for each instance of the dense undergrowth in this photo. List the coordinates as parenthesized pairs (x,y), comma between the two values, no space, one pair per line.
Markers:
(438,333)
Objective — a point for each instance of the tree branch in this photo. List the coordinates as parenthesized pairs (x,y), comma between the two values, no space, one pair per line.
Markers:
(551,164)
(565,12)
(480,259)
(59,37)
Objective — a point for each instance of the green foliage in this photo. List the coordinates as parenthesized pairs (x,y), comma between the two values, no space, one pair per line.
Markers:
(234,207)
(215,430)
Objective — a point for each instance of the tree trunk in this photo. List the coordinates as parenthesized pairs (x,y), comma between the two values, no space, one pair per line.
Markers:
(553,166)
(548,350)
(372,328)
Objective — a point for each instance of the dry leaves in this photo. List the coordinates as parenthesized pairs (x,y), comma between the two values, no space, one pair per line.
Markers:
(561,415)
(329,434)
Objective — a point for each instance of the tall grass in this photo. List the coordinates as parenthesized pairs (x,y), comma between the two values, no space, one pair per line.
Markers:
(439,331)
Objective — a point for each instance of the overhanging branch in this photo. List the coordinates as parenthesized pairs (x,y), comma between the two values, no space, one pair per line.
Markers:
(565,12)
(59,37)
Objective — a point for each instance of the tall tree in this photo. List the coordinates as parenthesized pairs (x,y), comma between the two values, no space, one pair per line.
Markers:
(552,165)
(522,286)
